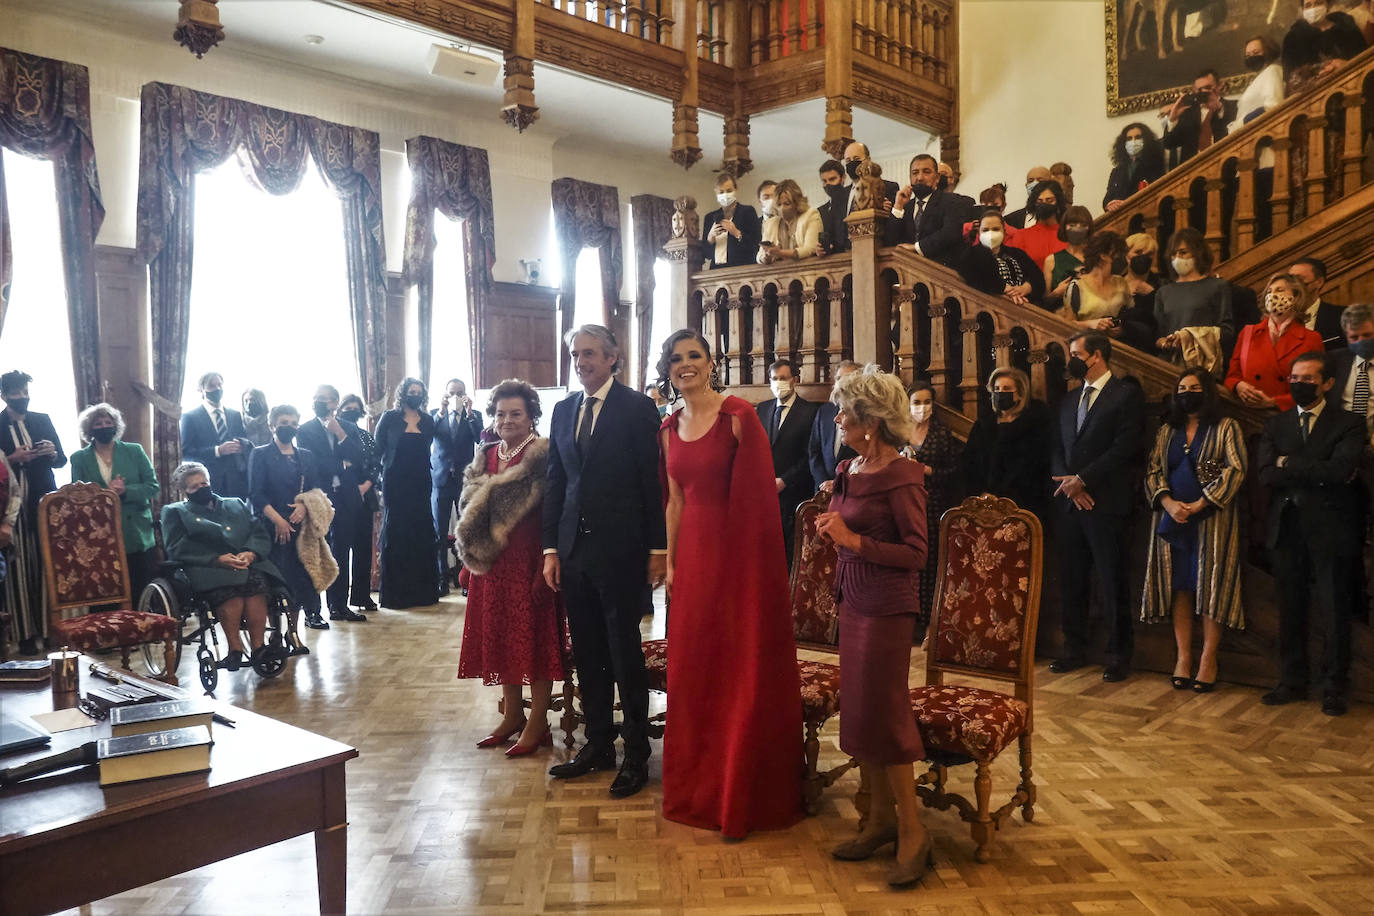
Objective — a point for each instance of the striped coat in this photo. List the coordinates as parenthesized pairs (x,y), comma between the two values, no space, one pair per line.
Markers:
(1218,586)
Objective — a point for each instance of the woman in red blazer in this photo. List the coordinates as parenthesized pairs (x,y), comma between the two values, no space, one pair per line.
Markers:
(1265,351)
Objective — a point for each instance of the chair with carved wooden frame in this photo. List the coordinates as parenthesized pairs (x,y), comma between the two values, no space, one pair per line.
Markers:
(82,543)
(815,619)
(987,604)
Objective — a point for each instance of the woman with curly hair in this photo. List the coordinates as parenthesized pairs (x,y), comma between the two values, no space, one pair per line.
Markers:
(515,631)
(1137,160)
(404,435)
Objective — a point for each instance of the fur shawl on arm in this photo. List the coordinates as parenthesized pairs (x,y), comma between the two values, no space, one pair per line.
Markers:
(491,505)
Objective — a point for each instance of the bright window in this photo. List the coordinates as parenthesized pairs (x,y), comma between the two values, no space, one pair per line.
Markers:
(661,319)
(450,354)
(269,293)
(37,337)
(588,307)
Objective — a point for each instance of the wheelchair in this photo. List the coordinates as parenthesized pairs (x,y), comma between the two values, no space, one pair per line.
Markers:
(170,594)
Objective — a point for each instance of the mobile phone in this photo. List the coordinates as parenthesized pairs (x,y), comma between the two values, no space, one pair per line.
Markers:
(767,244)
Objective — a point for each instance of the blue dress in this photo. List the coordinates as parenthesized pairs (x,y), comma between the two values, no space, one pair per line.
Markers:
(1183,543)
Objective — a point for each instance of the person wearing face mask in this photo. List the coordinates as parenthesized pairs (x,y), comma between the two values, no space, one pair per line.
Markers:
(1097,444)
(787,418)
(279,472)
(925,218)
(457,430)
(793,231)
(256,429)
(1354,360)
(213,434)
(1042,239)
(1193,480)
(123,468)
(33,450)
(1322,316)
(1317,43)
(934,447)
(1199,118)
(1193,315)
(1308,458)
(1062,267)
(338,451)
(405,436)
(999,269)
(767,194)
(831,174)
(842,197)
(1265,351)
(1020,219)
(1008,449)
(1137,160)
(360,569)
(732,231)
(1098,297)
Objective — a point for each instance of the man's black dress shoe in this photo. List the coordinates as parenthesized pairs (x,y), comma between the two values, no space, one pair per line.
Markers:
(588,758)
(367,606)
(316,622)
(1333,704)
(1118,672)
(1067,663)
(1282,694)
(346,614)
(631,778)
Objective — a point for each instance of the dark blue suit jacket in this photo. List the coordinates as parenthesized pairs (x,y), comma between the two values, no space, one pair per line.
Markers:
(229,474)
(455,442)
(1105,452)
(609,503)
(275,480)
(313,437)
(821,448)
(39,471)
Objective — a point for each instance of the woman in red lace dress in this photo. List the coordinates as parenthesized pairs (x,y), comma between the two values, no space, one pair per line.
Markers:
(732,753)
(515,630)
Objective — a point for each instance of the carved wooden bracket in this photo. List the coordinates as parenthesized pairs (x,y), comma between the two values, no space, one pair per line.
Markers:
(839,125)
(686,150)
(518,108)
(1037,355)
(737,161)
(198,28)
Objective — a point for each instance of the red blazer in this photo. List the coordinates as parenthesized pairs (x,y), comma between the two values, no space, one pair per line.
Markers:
(1258,361)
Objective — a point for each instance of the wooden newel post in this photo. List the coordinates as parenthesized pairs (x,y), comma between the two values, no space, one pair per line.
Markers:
(684,253)
(872,299)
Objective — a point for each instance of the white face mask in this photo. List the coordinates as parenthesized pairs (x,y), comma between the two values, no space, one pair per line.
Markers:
(1314,14)
(782,388)
(725,198)
(1135,147)
(921,412)
(1183,266)
(768,205)
(991,238)
(1030,186)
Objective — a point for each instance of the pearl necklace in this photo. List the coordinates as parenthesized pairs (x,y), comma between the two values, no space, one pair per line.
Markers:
(510,455)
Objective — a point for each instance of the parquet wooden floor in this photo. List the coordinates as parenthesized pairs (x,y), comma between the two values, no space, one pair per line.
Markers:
(1151,801)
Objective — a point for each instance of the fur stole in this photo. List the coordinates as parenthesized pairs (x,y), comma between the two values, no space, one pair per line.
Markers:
(312,544)
(491,505)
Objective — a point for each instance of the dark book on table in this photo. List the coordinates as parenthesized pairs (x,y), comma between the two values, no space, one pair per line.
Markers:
(156,717)
(23,671)
(168,753)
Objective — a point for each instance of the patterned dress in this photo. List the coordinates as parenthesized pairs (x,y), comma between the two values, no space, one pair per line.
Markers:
(944,488)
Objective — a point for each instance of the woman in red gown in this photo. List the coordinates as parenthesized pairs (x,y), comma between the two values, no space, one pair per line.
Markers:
(732,753)
(514,632)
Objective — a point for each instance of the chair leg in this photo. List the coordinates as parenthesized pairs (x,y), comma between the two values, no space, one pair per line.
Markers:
(811,781)
(124,657)
(169,657)
(982,827)
(569,720)
(1027,786)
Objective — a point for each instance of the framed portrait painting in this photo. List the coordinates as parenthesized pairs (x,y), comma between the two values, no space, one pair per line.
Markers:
(1155,48)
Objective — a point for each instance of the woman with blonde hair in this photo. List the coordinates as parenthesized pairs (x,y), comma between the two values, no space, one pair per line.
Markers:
(793,231)
(1265,351)
(877,519)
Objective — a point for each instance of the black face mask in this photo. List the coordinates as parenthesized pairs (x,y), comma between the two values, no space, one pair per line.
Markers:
(18,405)
(1190,402)
(851,168)
(1254,62)
(255,408)
(1045,212)
(1003,401)
(214,395)
(1304,393)
(921,191)
(1141,264)
(201,497)
(321,409)
(103,434)
(284,434)
(1118,266)
(1077,368)
(413,401)
(352,416)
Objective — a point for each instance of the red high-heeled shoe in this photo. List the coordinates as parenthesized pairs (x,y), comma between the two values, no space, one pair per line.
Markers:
(496,739)
(519,750)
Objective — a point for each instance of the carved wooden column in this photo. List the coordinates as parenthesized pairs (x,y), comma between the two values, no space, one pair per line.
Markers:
(758,33)
(1214,235)
(684,252)
(686,149)
(517,107)
(1039,359)
(872,299)
(1243,222)
(710,329)
(1281,198)
(834,346)
(938,370)
(1315,183)
(1001,351)
(904,360)
(1181,208)
(782,328)
(839,77)
(733,373)
(968,372)
(810,356)
(758,348)
(1352,158)
(737,161)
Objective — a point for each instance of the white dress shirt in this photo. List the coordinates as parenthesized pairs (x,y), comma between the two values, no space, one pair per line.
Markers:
(1348,394)
(600,395)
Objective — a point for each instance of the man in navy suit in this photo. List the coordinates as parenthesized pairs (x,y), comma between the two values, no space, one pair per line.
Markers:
(340,462)
(787,418)
(1101,426)
(930,220)
(214,435)
(604,536)
(457,428)
(822,453)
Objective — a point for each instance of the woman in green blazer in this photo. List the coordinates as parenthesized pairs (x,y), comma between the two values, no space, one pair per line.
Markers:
(223,550)
(124,468)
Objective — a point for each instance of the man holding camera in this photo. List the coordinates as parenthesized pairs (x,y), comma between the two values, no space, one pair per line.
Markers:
(457,430)
(1198,119)
(338,449)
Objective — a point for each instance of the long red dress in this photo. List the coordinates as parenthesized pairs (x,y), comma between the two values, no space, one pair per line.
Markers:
(515,630)
(732,752)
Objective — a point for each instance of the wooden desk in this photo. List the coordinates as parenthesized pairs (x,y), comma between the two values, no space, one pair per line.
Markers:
(65,841)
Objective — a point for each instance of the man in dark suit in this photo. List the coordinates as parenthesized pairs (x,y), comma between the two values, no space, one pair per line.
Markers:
(1101,426)
(1019,218)
(1322,317)
(787,418)
(931,221)
(457,429)
(842,197)
(822,451)
(214,435)
(1356,358)
(1307,458)
(1198,118)
(341,463)
(604,536)
(832,176)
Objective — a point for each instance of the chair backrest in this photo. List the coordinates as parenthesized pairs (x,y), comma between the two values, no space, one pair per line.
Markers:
(987,600)
(815,616)
(82,540)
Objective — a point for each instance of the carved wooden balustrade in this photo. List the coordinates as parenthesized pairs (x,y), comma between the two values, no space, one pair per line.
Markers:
(1317,140)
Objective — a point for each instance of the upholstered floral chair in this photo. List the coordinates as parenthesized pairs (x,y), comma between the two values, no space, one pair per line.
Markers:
(987,602)
(82,542)
(816,626)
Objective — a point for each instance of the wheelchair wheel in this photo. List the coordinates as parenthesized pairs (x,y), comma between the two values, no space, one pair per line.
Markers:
(209,669)
(159,598)
(272,661)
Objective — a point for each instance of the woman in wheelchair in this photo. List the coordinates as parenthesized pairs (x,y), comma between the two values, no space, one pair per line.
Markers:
(224,552)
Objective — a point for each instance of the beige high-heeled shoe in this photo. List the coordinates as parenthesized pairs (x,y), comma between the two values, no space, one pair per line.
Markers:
(905,875)
(864,846)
